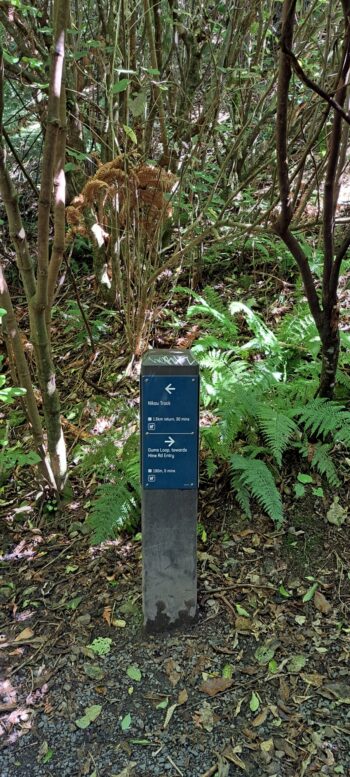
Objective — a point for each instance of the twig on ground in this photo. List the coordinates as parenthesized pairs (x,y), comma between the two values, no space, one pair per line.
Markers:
(211,771)
(174,766)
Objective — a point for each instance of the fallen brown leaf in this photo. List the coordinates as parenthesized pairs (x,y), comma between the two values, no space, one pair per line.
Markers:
(107,615)
(243,624)
(314,679)
(284,689)
(233,756)
(25,634)
(260,719)
(215,685)
(182,697)
(172,670)
(321,603)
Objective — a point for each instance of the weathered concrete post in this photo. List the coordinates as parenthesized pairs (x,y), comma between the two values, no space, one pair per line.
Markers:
(169,478)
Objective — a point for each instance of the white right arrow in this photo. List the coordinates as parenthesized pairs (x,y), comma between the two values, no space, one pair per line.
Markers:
(169,442)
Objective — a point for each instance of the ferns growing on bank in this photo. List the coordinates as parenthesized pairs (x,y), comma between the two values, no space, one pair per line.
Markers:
(262,391)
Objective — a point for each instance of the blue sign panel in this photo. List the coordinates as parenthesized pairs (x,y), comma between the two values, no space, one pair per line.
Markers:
(169,429)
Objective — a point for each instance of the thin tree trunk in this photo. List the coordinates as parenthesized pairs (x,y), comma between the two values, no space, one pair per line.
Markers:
(23,376)
(326,312)
(157,91)
(39,304)
(59,208)
(36,288)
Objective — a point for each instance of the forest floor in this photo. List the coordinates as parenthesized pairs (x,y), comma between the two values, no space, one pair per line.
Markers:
(258,685)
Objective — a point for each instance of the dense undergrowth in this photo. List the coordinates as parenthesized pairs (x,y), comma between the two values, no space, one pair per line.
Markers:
(261,419)
(176,174)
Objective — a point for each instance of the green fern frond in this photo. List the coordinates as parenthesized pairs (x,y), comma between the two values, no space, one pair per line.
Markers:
(214,300)
(98,457)
(210,306)
(343,379)
(114,510)
(241,493)
(211,467)
(342,435)
(258,480)
(297,331)
(276,428)
(115,507)
(210,358)
(323,416)
(322,461)
(265,339)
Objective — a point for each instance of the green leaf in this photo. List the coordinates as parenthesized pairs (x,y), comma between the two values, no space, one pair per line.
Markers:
(296,664)
(134,673)
(336,513)
(304,478)
(299,490)
(318,492)
(126,722)
(242,611)
(283,591)
(121,85)
(69,167)
(310,593)
(47,757)
(101,645)
(74,603)
(138,104)
(264,654)
(94,671)
(91,713)
(273,666)
(162,704)
(9,57)
(130,133)
(227,671)
(254,703)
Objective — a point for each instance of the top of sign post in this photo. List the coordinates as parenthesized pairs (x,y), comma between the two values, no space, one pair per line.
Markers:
(166,362)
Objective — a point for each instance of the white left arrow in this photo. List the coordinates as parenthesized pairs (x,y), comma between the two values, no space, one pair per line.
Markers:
(169,442)
(169,388)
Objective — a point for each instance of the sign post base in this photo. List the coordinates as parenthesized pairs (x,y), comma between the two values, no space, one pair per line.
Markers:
(169,475)
(169,541)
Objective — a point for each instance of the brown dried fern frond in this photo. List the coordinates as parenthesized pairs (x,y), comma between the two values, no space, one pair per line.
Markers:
(93,189)
(78,201)
(152,198)
(133,191)
(150,176)
(112,176)
(73,215)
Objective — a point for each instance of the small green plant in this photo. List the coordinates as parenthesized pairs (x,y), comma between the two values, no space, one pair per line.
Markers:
(75,326)
(116,506)
(101,646)
(304,481)
(11,456)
